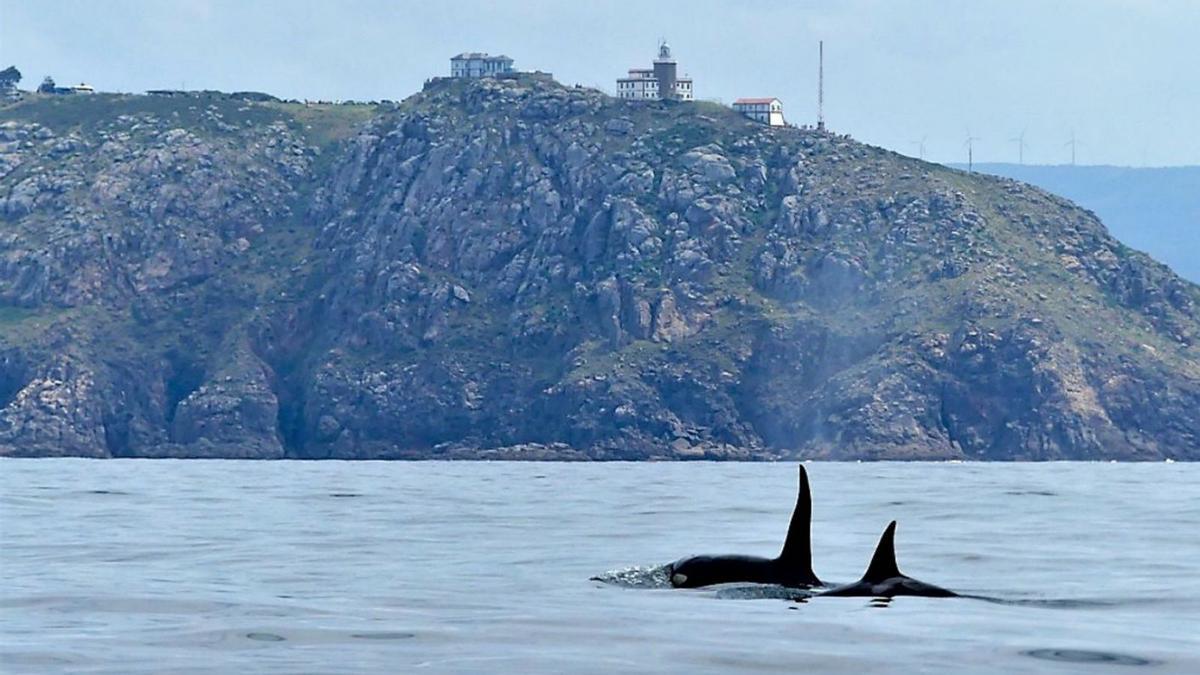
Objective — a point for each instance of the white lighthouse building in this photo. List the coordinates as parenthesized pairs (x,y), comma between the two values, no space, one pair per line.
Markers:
(660,82)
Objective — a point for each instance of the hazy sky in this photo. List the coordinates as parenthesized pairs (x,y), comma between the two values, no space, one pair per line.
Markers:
(1124,75)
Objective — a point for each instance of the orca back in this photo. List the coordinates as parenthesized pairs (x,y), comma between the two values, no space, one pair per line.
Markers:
(792,568)
(883,577)
(883,563)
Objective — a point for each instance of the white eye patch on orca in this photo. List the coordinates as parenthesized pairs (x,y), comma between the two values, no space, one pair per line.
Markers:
(678,579)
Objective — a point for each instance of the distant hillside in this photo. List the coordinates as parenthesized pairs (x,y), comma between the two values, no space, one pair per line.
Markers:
(511,268)
(1156,210)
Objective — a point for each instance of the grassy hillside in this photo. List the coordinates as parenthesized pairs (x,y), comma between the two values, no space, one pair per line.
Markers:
(1156,210)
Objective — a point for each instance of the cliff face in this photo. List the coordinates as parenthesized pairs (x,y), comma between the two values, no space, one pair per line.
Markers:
(511,268)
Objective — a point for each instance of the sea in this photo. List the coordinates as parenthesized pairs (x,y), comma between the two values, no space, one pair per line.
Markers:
(195,566)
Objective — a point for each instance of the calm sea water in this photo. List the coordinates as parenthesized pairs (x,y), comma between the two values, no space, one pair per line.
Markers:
(287,567)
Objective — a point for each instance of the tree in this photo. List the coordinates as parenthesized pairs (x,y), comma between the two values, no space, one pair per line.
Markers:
(9,77)
(48,86)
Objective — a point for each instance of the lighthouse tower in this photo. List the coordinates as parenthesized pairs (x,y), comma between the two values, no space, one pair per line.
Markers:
(665,69)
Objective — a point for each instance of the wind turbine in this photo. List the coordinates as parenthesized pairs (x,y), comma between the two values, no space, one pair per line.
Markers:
(1072,143)
(969,144)
(1021,145)
(920,145)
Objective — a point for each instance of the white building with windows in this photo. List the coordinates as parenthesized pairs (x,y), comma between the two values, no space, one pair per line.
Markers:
(640,84)
(479,64)
(769,111)
(659,82)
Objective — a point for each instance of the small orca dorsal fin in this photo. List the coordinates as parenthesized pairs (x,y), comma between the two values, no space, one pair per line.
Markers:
(883,563)
(797,547)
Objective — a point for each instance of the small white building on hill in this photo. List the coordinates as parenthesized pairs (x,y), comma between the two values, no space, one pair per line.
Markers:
(766,110)
(479,64)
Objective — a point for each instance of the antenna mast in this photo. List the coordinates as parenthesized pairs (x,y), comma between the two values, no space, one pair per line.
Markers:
(821,85)
(970,144)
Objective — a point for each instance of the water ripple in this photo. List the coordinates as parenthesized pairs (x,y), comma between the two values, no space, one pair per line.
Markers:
(281,567)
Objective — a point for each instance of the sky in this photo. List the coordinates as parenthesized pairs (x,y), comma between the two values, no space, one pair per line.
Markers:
(1122,76)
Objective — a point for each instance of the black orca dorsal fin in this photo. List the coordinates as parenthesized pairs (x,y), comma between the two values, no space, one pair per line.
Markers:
(797,547)
(883,563)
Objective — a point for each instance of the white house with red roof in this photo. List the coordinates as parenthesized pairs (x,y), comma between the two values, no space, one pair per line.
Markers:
(769,111)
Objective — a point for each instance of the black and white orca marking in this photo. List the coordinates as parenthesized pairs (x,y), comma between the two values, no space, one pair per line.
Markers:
(884,579)
(792,568)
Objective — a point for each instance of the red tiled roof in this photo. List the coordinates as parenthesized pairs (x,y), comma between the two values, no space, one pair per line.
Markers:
(755,101)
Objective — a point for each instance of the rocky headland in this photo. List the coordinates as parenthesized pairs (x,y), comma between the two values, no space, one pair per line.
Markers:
(510,268)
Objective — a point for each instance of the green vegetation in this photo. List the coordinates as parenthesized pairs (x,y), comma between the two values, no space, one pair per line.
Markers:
(86,113)
(260,274)
(325,125)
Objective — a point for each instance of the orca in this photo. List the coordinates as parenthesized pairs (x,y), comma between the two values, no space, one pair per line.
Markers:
(792,568)
(884,579)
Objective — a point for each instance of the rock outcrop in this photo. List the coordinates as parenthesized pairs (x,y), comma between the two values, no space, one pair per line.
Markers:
(509,268)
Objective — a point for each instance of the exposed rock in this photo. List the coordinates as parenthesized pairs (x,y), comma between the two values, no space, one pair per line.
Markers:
(709,164)
(235,413)
(56,413)
(511,269)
